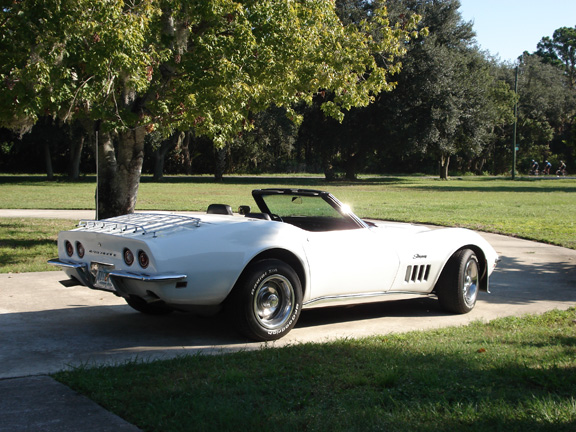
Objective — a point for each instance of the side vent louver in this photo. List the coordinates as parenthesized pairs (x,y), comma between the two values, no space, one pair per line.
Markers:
(417,273)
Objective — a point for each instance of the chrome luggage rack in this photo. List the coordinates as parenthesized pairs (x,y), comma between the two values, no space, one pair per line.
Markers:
(140,222)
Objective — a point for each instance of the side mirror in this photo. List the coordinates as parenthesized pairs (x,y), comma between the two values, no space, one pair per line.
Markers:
(244,210)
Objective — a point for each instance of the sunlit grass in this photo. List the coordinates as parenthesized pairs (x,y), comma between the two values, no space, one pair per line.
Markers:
(26,244)
(535,209)
(513,374)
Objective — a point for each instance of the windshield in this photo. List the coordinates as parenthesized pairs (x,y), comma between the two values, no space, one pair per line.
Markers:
(285,205)
(308,209)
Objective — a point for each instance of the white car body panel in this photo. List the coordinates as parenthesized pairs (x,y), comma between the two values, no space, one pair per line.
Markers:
(197,261)
(368,265)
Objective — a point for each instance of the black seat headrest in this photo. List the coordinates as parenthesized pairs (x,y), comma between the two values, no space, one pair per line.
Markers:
(222,209)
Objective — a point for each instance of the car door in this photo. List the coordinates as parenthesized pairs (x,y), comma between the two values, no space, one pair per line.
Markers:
(348,262)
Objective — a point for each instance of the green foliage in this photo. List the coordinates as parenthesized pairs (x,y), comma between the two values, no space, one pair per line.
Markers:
(560,50)
(450,99)
(215,67)
(545,106)
(169,65)
(274,52)
(206,64)
(512,374)
(73,58)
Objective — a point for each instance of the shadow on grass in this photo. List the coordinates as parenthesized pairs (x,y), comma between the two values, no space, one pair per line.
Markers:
(455,184)
(299,181)
(401,385)
(512,187)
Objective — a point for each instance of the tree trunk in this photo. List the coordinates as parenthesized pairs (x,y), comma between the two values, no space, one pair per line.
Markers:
(48,161)
(160,154)
(327,165)
(220,164)
(76,147)
(186,151)
(444,162)
(329,173)
(479,166)
(351,164)
(119,172)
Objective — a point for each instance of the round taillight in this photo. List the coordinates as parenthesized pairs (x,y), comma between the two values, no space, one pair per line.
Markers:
(69,248)
(80,249)
(143,259)
(128,257)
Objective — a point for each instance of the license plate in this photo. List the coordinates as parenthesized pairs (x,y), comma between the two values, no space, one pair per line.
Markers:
(101,274)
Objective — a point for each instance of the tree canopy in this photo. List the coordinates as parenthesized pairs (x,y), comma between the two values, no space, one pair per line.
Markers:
(339,86)
(206,64)
(143,65)
(560,50)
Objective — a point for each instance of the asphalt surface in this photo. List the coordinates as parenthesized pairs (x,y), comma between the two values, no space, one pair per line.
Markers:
(47,327)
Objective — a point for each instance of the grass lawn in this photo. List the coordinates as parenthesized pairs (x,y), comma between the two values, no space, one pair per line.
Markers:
(512,374)
(26,244)
(536,209)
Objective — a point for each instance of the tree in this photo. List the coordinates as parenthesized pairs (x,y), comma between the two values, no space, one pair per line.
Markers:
(268,147)
(78,59)
(560,50)
(166,65)
(546,107)
(442,103)
(162,149)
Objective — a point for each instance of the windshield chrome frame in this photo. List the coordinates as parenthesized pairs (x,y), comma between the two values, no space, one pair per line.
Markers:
(330,199)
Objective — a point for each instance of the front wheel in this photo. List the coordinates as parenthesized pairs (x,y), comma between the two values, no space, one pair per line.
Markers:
(457,288)
(266,302)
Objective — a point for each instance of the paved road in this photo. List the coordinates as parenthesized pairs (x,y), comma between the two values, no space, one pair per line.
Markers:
(47,327)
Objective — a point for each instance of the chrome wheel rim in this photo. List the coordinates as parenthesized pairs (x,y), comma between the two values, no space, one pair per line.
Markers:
(471,282)
(273,302)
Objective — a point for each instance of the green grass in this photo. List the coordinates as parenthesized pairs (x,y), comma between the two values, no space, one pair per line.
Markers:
(536,209)
(512,374)
(26,244)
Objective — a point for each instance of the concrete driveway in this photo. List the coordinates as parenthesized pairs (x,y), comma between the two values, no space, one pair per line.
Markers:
(47,327)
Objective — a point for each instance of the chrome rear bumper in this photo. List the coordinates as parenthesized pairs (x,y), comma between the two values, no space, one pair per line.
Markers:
(82,273)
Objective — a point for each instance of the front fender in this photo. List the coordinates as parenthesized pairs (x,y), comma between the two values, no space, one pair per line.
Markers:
(436,246)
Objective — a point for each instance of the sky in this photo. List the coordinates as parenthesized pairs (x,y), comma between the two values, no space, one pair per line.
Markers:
(507,28)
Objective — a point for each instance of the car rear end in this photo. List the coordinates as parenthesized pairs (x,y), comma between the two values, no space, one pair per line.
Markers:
(115,254)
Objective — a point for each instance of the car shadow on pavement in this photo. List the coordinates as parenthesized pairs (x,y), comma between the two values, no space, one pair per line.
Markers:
(415,307)
(517,282)
(45,341)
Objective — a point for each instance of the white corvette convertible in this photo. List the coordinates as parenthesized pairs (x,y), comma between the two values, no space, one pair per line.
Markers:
(302,249)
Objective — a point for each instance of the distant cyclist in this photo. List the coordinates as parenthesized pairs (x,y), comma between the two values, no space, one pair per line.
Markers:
(534,168)
(561,169)
(547,168)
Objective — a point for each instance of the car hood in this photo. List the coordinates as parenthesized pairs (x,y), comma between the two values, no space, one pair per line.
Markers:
(400,227)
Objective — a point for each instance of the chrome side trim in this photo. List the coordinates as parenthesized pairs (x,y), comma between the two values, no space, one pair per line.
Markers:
(65,264)
(360,298)
(147,278)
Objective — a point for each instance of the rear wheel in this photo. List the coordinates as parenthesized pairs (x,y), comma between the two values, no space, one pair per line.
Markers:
(457,288)
(157,308)
(266,302)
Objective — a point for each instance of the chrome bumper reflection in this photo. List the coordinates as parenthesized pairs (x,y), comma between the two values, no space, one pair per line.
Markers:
(84,275)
